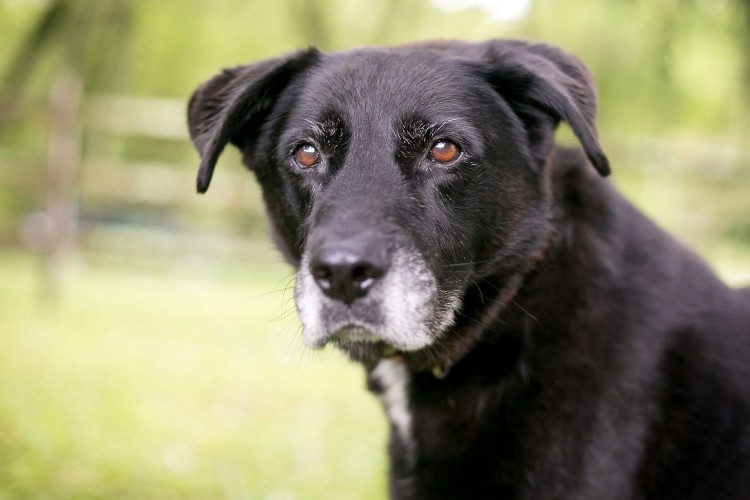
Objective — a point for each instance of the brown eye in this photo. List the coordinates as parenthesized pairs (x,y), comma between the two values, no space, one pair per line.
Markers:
(307,156)
(444,152)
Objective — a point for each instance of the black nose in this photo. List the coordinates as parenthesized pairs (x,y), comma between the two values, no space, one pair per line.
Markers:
(347,270)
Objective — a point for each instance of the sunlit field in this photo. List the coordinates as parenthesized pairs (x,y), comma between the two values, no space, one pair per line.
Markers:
(176,380)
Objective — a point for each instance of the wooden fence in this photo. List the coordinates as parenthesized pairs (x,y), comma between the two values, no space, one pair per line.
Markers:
(89,189)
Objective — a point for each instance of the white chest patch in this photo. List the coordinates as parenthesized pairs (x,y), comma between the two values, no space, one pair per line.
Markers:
(394,378)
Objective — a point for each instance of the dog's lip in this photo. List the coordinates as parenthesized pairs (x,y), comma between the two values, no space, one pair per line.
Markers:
(355,333)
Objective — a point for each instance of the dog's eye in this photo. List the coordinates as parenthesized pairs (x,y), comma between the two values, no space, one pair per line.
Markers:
(444,151)
(307,156)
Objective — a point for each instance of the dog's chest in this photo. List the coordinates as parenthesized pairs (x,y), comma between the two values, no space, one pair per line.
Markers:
(391,381)
(433,419)
(446,437)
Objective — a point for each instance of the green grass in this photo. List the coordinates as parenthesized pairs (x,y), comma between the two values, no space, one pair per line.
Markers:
(175,380)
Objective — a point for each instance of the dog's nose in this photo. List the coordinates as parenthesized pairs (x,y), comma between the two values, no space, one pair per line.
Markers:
(346,271)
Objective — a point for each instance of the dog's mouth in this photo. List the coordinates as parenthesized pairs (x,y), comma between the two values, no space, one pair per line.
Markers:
(361,343)
(351,333)
(360,338)
(403,312)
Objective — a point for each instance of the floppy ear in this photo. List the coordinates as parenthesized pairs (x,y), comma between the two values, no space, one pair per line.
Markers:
(544,85)
(231,106)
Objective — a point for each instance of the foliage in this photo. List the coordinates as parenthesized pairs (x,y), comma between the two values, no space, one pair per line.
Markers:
(683,60)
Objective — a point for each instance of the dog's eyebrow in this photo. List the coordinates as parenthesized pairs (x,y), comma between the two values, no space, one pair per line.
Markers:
(317,127)
(415,132)
(329,131)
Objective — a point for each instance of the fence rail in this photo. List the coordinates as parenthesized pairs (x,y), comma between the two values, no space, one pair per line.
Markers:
(78,173)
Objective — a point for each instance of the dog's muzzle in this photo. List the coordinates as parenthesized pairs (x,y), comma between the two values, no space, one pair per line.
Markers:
(359,291)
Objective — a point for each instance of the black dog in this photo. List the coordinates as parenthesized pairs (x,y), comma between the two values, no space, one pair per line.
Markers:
(529,332)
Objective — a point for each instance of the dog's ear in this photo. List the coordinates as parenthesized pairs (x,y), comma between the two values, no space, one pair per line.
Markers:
(231,106)
(544,85)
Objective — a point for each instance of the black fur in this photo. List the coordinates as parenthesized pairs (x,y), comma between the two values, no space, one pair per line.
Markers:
(590,356)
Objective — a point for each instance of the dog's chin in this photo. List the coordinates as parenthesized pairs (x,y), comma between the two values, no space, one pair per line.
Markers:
(363,341)
(364,344)
(355,333)
(361,344)
(404,312)
(369,350)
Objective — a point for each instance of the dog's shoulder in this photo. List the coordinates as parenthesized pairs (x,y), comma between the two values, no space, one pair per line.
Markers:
(594,218)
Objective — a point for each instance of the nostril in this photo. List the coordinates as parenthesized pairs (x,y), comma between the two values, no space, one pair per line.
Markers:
(343,273)
(360,273)
(322,274)
(364,275)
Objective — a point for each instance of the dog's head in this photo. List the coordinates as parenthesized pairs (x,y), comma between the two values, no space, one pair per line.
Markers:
(395,179)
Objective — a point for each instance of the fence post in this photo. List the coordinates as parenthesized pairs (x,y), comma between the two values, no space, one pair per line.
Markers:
(61,177)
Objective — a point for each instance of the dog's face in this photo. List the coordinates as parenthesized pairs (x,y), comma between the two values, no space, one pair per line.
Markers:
(376,167)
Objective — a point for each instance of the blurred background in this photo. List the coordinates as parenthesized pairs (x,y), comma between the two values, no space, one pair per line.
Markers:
(148,342)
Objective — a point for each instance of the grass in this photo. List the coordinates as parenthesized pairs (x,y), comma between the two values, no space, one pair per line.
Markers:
(175,381)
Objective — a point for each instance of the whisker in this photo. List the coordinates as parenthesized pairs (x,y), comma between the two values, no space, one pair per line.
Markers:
(471,318)
(265,294)
(286,311)
(469,263)
(293,339)
(288,286)
(289,309)
(476,285)
(524,310)
(304,351)
(512,300)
